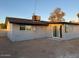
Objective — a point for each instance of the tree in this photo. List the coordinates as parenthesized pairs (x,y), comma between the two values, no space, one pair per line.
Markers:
(78,15)
(3,26)
(57,15)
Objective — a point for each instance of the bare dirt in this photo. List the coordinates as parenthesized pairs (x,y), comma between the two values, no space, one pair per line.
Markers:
(7,49)
(40,48)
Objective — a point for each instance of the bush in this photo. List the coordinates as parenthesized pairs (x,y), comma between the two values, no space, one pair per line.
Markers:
(2,26)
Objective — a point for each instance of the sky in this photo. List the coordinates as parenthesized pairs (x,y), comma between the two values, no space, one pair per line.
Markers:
(25,8)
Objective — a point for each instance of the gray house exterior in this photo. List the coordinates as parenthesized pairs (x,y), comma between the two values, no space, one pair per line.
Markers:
(27,29)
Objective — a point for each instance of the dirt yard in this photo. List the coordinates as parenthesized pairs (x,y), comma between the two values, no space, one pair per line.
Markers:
(41,48)
(6,48)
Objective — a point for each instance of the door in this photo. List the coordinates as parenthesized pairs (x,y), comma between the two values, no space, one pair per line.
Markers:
(61,31)
(55,31)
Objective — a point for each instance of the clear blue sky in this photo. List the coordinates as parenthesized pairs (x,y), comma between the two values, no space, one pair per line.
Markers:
(25,8)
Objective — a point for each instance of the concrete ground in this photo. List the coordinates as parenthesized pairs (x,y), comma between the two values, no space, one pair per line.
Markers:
(40,48)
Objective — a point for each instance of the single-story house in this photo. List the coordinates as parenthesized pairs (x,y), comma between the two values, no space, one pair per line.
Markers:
(26,29)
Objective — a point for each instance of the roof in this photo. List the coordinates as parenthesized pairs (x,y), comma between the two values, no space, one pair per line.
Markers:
(26,21)
(69,23)
(31,22)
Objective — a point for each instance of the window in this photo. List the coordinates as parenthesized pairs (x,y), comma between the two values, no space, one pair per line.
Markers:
(27,28)
(22,27)
(68,28)
(65,29)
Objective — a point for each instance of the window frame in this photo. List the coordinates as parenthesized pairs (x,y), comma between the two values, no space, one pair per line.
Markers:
(27,28)
(21,27)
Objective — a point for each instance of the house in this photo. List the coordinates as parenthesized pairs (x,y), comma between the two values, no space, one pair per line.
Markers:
(26,29)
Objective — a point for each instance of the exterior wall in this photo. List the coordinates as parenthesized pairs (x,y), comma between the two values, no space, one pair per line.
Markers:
(8,26)
(15,34)
(51,26)
(73,32)
(9,30)
(38,32)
